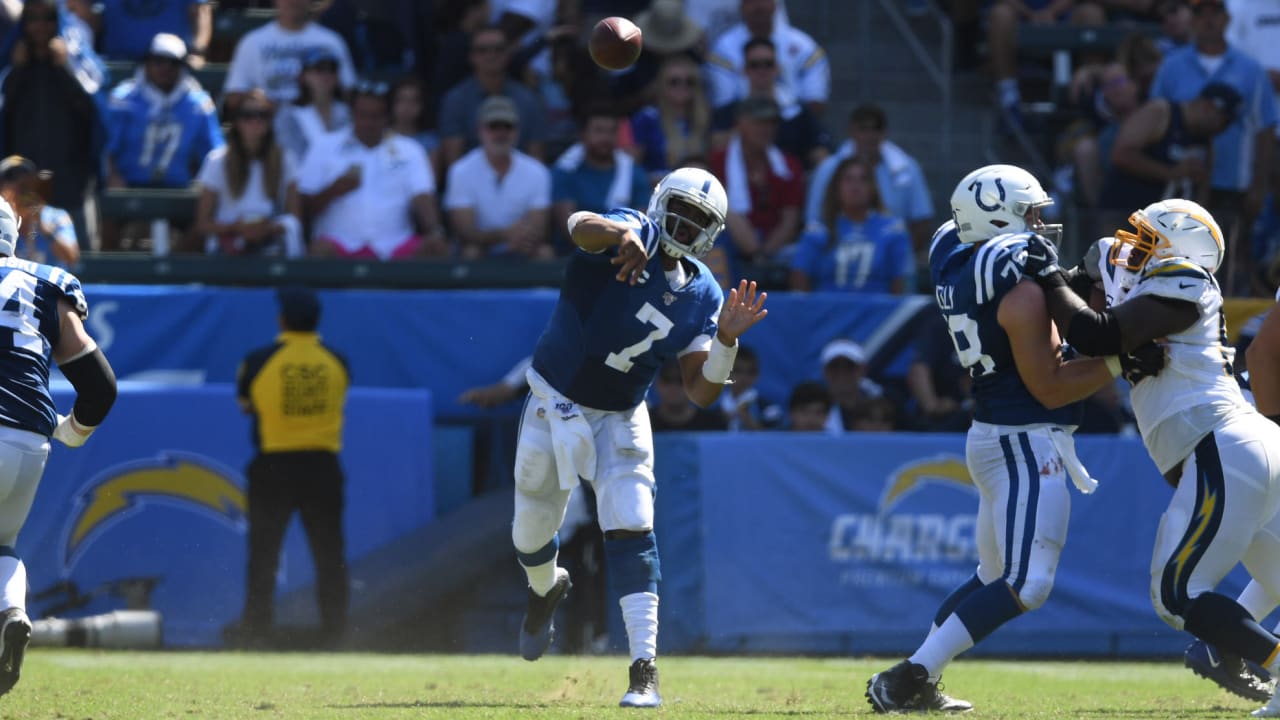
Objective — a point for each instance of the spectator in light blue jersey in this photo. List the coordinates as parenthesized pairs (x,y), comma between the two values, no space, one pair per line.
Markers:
(47,235)
(161,124)
(856,247)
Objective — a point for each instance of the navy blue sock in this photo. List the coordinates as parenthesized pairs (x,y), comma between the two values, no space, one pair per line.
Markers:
(987,608)
(633,563)
(955,598)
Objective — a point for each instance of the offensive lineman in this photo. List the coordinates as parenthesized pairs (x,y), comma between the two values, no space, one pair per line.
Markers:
(1019,450)
(41,316)
(634,296)
(1222,456)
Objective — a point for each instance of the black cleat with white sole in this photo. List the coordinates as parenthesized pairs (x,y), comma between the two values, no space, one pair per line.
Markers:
(643,692)
(905,687)
(15,633)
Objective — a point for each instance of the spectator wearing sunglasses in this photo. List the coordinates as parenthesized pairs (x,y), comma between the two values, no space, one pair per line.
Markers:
(498,197)
(369,192)
(458,131)
(800,133)
(317,110)
(804,70)
(271,56)
(677,126)
(249,204)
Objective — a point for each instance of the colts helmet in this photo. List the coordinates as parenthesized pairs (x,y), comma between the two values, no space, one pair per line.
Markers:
(995,200)
(701,190)
(1170,228)
(9,224)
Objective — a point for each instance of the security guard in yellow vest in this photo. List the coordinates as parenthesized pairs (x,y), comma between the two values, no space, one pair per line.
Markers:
(295,389)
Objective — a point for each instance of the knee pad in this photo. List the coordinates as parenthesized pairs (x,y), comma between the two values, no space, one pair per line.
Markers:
(626,503)
(534,525)
(1035,591)
(633,564)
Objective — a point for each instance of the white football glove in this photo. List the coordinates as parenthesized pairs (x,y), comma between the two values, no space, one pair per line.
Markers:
(70,432)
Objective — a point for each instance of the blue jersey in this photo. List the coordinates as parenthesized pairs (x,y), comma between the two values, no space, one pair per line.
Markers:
(970,280)
(130,24)
(606,339)
(161,141)
(29,329)
(864,257)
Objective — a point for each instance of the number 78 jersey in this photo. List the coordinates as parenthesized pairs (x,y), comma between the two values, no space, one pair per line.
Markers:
(607,340)
(970,280)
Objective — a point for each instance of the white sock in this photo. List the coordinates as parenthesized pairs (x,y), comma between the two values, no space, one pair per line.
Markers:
(14,576)
(941,647)
(542,577)
(1255,599)
(1007,90)
(640,615)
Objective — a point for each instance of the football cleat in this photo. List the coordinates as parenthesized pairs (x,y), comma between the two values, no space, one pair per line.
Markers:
(539,629)
(643,692)
(906,687)
(1228,671)
(1270,710)
(15,633)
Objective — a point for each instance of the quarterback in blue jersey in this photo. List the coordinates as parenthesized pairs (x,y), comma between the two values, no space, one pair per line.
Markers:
(41,318)
(1019,449)
(634,296)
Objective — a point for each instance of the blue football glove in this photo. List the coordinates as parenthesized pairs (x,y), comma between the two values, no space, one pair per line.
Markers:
(1042,258)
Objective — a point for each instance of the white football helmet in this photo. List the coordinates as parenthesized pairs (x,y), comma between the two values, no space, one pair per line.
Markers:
(1170,228)
(9,224)
(995,200)
(704,193)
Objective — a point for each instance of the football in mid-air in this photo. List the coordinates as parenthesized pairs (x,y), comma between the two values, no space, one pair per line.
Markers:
(615,43)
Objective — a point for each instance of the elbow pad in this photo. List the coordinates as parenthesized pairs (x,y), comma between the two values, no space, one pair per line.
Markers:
(95,385)
(1096,334)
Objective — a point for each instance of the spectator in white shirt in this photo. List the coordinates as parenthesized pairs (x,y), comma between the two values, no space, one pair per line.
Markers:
(365,188)
(317,110)
(248,203)
(497,197)
(805,72)
(271,56)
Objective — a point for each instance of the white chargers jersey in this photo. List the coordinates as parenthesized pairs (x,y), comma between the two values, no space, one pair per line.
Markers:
(1197,390)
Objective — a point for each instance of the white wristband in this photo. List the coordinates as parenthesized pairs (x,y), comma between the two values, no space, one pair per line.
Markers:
(1113,364)
(719,362)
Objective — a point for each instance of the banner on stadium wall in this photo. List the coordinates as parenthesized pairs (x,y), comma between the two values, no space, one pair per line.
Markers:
(151,511)
(446,340)
(848,544)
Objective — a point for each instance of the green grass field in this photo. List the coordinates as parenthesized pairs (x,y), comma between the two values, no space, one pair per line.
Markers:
(91,685)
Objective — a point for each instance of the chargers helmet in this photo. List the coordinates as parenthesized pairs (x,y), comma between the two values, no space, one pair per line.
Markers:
(9,224)
(1170,228)
(702,194)
(997,199)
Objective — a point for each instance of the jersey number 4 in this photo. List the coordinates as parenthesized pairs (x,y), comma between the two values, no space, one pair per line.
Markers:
(964,334)
(18,290)
(648,314)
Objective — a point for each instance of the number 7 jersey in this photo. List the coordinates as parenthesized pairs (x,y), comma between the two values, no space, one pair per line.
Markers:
(29,329)
(607,340)
(970,280)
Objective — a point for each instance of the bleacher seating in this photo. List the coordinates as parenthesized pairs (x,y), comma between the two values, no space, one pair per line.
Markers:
(1060,41)
(176,205)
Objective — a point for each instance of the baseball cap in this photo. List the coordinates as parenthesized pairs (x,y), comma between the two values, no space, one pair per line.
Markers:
(167,45)
(498,108)
(847,349)
(759,107)
(317,55)
(1224,97)
(299,305)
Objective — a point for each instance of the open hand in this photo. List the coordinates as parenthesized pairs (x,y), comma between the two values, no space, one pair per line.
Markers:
(742,309)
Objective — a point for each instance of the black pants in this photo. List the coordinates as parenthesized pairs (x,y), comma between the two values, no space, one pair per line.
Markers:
(279,484)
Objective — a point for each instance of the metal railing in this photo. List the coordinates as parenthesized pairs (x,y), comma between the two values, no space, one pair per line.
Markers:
(939,70)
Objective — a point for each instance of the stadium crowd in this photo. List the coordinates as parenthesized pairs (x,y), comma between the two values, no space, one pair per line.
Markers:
(472,129)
